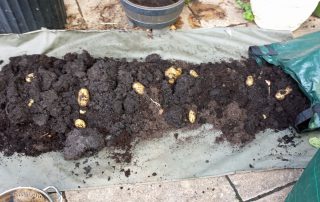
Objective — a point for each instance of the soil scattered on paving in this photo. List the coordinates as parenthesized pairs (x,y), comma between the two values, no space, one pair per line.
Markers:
(117,115)
(154,3)
(127,172)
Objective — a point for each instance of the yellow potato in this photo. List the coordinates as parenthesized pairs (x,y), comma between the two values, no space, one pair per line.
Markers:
(82,111)
(193,73)
(249,81)
(173,27)
(79,123)
(30,103)
(83,97)
(192,116)
(30,77)
(281,94)
(171,81)
(172,73)
(138,88)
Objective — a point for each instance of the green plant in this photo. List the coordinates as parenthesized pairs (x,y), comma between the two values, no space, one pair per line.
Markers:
(187,2)
(246,7)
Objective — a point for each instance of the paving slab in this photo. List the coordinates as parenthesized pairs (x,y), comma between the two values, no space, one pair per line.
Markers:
(204,189)
(250,185)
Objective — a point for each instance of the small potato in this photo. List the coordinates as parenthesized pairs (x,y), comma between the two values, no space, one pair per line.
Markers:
(83,97)
(173,28)
(79,123)
(282,93)
(171,81)
(30,103)
(82,111)
(193,73)
(249,81)
(30,77)
(192,116)
(138,88)
(173,72)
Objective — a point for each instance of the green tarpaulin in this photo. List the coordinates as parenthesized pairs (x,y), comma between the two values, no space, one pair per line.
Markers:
(300,58)
(308,187)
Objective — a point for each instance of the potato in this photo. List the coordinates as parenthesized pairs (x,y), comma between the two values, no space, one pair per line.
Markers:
(193,73)
(138,88)
(82,111)
(192,116)
(172,73)
(249,81)
(30,77)
(83,97)
(30,103)
(282,93)
(79,123)
(173,28)
(171,81)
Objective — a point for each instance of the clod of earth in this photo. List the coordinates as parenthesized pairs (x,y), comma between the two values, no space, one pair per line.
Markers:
(282,93)
(79,123)
(117,116)
(83,97)
(80,143)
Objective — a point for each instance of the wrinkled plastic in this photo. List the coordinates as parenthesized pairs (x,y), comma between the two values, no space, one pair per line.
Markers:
(300,58)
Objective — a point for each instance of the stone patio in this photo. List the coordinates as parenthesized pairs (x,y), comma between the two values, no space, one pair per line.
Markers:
(255,186)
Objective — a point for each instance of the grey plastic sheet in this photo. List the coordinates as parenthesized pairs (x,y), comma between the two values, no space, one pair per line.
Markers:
(193,154)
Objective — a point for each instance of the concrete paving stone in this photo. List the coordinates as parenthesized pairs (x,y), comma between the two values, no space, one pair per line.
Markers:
(204,189)
(309,26)
(279,196)
(250,185)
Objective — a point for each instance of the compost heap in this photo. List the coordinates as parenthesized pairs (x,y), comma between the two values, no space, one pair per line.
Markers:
(79,104)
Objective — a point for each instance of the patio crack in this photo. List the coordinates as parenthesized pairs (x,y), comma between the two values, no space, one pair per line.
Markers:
(271,192)
(234,189)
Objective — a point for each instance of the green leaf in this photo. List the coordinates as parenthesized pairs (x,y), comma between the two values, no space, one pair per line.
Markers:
(187,2)
(246,7)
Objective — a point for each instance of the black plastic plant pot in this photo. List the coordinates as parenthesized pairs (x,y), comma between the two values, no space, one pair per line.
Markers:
(152,17)
(19,16)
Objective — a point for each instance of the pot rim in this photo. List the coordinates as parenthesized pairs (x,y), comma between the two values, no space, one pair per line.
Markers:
(30,188)
(154,8)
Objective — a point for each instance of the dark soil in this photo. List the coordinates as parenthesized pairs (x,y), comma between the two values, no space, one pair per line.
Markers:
(154,3)
(117,115)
